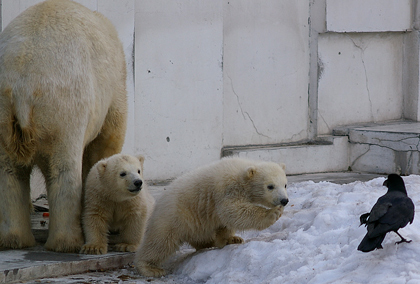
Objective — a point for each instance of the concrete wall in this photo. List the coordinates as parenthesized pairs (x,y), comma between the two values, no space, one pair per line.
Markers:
(360,79)
(346,16)
(361,62)
(217,73)
(179,84)
(265,72)
(209,74)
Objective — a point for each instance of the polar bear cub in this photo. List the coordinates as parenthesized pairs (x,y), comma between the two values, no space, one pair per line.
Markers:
(116,199)
(206,206)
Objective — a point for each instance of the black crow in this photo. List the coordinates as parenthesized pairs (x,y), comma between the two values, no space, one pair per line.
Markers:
(391,212)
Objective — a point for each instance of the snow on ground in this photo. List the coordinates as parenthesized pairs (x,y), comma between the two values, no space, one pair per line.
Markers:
(314,241)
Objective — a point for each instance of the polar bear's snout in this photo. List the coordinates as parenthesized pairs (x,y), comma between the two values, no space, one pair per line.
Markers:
(281,201)
(284,201)
(138,183)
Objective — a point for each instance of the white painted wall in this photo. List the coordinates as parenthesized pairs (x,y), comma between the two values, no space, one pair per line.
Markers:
(217,73)
(360,79)
(179,86)
(369,15)
(266,66)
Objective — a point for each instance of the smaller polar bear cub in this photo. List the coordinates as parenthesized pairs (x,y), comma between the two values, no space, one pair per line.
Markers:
(116,199)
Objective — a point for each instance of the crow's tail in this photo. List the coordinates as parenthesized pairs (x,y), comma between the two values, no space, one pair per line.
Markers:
(369,244)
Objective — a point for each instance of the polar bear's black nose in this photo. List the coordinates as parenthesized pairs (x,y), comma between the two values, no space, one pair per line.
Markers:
(284,201)
(138,183)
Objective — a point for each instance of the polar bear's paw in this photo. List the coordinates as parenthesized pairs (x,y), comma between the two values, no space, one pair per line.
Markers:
(150,270)
(17,240)
(61,243)
(235,240)
(125,247)
(94,249)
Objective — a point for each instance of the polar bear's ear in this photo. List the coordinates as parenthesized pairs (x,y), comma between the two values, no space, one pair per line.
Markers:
(141,159)
(101,167)
(282,165)
(250,172)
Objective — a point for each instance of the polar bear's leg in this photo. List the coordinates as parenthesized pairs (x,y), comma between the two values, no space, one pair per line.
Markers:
(202,245)
(152,254)
(157,246)
(15,206)
(220,238)
(95,227)
(225,236)
(132,232)
(64,190)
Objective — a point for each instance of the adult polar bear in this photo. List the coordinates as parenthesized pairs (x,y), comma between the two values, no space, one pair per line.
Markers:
(63,107)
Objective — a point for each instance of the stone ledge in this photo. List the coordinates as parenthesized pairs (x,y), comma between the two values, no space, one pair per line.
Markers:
(232,150)
(397,126)
(329,154)
(36,263)
(384,147)
(395,135)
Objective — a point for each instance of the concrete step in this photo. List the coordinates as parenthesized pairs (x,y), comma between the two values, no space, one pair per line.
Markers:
(384,147)
(328,154)
(36,262)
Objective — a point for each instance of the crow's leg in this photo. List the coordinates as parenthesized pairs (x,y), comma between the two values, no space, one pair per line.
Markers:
(402,239)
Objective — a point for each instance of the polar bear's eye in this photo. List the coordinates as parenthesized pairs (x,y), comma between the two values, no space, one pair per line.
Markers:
(270,187)
(138,171)
(123,174)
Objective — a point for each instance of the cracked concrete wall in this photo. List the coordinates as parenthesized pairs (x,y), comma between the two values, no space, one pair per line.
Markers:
(361,79)
(370,63)
(385,148)
(379,159)
(217,73)
(265,72)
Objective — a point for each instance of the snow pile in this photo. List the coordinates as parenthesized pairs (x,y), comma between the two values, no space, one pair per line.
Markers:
(315,241)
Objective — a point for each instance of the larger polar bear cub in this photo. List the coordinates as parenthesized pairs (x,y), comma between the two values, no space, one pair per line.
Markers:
(116,199)
(206,206)
(63,107)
